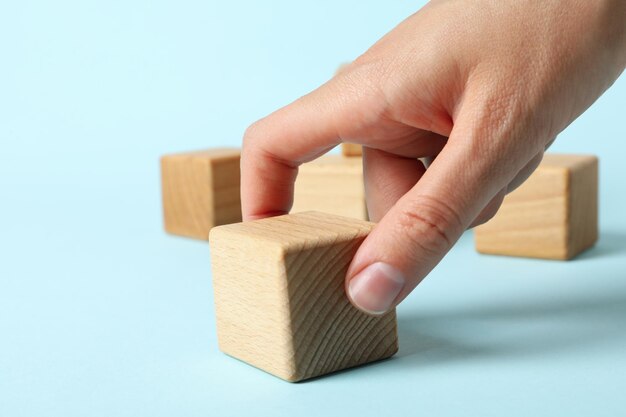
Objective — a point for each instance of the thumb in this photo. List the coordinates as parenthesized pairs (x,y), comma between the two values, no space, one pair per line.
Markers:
(417,232)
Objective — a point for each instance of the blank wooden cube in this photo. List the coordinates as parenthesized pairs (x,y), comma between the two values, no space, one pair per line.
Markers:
(280,300)
(200,191)
(351,149)
(553,215)
(331,184)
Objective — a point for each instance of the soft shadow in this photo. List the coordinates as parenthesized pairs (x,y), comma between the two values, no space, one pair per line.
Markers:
(609,244)
(345,371)
(541,327)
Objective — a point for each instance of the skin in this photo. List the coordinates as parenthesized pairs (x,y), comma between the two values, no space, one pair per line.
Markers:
(481,88)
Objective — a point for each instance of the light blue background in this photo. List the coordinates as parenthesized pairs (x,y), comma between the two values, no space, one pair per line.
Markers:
(102,314)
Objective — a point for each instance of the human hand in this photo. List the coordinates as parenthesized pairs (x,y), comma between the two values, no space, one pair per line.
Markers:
(483,87)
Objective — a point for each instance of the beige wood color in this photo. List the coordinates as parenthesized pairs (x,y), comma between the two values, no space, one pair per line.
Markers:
(351,149)
(331,184)
(200,190)
(280,300)
(553,215)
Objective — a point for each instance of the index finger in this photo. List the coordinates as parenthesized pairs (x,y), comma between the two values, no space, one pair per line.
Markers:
(275,146)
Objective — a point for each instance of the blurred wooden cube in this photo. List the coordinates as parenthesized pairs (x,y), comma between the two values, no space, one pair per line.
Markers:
(200,190)
(331,184)
(553,215)
(351,149)
(280,300)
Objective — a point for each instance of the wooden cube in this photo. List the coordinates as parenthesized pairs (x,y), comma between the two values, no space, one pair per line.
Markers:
(331,184)
(200,191)
(553,215)
(351,149)
(280,300)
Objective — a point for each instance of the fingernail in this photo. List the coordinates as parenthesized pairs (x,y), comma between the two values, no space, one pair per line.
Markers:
(375,288)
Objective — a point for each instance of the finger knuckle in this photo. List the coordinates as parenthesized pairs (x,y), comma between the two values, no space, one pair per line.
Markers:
(430,224)
(253,133)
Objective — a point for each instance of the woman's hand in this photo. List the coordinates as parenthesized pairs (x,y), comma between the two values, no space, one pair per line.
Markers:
(483,87)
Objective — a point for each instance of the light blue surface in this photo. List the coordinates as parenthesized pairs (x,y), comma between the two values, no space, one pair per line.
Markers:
(102,314)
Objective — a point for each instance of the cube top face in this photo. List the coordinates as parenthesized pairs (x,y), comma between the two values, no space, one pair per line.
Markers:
(200,190)
(280,299)
(553,215)
(295,232)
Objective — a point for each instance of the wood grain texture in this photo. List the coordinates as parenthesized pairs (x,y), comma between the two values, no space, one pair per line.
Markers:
(553,215)
(331,184)
(200,190)
(351,149)
(280,300)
